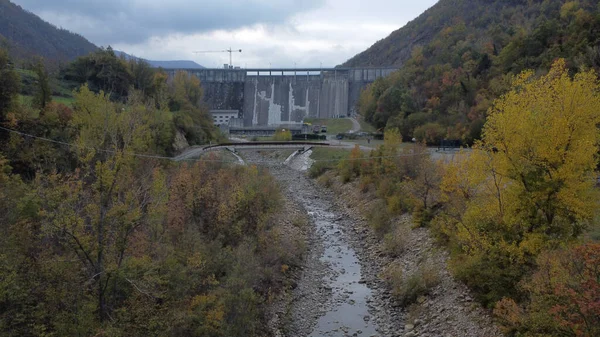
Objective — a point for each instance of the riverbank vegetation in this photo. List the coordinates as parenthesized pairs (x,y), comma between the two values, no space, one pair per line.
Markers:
(104,235)
(514,210)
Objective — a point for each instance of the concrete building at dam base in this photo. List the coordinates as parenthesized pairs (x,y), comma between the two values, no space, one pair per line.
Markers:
(273,97)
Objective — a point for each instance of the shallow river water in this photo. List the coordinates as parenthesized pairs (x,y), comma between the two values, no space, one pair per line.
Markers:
(331,298)
(349,312)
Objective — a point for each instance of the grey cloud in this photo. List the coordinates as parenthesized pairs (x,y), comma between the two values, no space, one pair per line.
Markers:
(134,21)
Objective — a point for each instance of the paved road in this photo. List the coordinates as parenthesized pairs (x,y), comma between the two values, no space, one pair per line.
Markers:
(349,145)
(355,125)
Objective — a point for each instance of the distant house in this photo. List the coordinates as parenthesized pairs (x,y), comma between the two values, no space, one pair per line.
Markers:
(222,117)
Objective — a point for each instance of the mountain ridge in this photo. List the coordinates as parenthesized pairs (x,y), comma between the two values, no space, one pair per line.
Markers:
(361,59)
(26,36)
(168,64)
(459,56)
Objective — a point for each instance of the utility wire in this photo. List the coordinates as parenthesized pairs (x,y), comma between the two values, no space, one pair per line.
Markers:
(80,146)
(196,159)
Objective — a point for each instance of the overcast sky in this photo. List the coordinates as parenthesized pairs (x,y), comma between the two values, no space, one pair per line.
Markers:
(276,33)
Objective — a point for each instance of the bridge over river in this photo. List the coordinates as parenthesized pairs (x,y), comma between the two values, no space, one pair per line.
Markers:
(195,152)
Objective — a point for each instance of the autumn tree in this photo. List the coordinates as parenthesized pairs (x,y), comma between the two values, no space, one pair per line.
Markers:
(127,244)
(95,213)
(563,296)
(101,71)
(143,76)
(389,150)
(191,115)
(423,186)
(43,94)
(9,85)
(30,156)
(529,184)
(351,167)
(160,90)
(185,91)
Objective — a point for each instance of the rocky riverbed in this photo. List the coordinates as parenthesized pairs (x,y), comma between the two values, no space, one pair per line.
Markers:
(340,291)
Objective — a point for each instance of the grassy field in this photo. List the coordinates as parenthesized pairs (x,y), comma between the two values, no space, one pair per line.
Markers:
(334,125)
(330,154)
(364,126)
(27,100)
(326,159)
(68,101)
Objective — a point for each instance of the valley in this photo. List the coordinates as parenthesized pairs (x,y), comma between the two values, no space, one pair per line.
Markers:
(441,182)
(340,290)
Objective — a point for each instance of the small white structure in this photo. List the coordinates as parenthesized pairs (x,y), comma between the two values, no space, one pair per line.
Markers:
(222,117)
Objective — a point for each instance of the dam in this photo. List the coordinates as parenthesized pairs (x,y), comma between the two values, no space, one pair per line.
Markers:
(285,96)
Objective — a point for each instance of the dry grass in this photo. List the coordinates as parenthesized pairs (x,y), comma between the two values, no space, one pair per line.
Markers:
(395,242)
(407,288)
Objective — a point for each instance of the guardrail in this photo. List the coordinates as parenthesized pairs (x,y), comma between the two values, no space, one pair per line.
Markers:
(264,145)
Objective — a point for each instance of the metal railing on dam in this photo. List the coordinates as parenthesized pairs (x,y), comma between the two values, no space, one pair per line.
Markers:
(364,74)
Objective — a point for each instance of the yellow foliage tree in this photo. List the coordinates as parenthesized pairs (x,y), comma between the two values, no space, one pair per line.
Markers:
(528,184)
(282,135)
(97,211)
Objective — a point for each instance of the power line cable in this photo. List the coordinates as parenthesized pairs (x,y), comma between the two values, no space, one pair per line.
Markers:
(150,156)
(81,146)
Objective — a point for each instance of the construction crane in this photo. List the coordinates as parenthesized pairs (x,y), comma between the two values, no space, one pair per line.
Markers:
(230,51)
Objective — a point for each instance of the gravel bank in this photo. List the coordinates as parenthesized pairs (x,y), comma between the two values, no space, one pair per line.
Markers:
(449,309)
(340,247)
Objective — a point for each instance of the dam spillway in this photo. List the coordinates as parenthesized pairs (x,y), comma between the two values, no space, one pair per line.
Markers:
(283,96)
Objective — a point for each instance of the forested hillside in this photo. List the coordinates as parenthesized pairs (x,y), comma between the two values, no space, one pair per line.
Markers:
(518,213)
(25,35)
(460,55)
(104,235)
(177,101)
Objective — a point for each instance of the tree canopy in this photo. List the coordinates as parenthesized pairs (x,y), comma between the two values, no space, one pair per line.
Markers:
(528,185)
(459,56)
(9,85)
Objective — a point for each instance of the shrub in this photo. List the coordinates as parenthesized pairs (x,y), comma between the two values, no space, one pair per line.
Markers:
(430,133)
(422,216)
(365,182)
(491,275)
(394,276)
(564,294)
(399,203)
(379,218)
(407,288)
(395,241)
(345,173)
(326,181)
(282,135)
(318,169)
(350,168)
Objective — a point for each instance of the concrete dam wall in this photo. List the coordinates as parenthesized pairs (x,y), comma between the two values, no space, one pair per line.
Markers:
(284,96)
